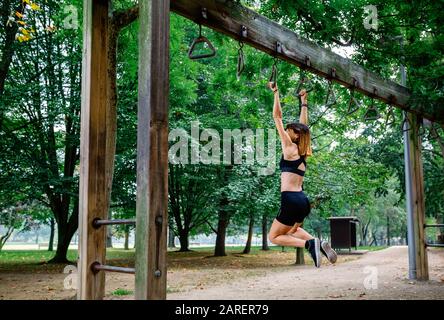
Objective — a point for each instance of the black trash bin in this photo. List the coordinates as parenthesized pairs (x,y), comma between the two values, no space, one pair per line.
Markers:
(343,232)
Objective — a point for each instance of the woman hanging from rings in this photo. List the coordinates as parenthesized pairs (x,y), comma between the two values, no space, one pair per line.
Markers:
(295,207)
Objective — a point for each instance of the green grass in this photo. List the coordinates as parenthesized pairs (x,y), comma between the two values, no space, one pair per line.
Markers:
(35,261)
(122,292)
(30,256)
(172,290)
(372,248)
(41,256)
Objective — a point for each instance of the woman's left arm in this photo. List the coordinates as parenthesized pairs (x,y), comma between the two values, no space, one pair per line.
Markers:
(303,118)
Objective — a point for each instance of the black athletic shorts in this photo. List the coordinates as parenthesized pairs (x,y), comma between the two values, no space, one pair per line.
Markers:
(295,206)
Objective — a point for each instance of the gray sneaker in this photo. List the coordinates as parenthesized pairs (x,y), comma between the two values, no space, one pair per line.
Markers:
(314,248)
(328,252)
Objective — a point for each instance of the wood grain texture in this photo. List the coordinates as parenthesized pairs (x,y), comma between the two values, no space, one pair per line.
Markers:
(418,200)
(111,114)
(152,150)
(93,144)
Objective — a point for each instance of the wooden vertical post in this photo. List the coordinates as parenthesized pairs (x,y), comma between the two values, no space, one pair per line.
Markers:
(152,150)
(93,141)
(417,197)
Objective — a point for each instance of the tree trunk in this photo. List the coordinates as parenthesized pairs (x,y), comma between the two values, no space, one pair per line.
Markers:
(437,137)
(171,237)
(66,228)
(5,238)
(127,232)
(109,237)
(184,240)
(222,224)
(109,229)
(362,241)
(8,48)
(440,235)
(64,238)
(250,236)
(375,241)
(264,233)
(300,256)
(224,216)
(365,232)
(388,231)
(51,235)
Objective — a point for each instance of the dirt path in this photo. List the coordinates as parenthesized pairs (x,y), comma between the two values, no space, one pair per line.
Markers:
(342,281)
(238,280)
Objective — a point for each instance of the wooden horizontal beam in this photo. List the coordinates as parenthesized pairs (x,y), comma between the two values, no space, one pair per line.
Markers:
(228,17)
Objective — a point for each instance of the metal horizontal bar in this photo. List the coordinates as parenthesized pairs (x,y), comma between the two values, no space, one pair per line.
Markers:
(96,267)
(439,225)
(104,222)
(436,245)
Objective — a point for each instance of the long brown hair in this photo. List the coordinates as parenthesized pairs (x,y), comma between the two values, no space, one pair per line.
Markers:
(304,139)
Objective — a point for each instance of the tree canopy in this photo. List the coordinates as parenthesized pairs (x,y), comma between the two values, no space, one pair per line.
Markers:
(357,165)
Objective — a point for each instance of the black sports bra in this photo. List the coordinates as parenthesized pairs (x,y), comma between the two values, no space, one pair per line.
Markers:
(292,165)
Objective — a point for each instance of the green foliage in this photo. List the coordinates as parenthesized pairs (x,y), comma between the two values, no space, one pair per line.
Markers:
(339,24)
(357,167)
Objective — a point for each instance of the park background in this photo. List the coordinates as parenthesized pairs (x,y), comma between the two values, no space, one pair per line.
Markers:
(358,164)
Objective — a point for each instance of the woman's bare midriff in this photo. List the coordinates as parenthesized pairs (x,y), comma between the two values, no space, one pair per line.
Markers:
(291,182)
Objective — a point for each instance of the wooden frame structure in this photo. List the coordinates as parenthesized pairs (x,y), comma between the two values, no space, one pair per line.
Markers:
(418,262)
(152,145)
(93,141)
